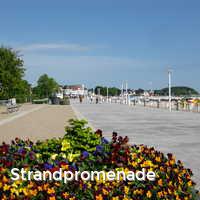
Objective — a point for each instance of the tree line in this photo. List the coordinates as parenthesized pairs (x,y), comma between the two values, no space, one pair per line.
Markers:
(13,84)
(177,91)
(112,91)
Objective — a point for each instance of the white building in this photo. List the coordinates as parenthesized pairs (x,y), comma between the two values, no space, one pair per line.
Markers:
(74,90)
(59,93)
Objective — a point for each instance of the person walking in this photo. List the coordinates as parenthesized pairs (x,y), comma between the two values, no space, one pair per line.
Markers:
(91,99)
(80,98)
(97,100)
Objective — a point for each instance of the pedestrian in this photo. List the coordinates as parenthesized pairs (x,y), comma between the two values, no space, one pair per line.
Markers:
(91,99)
(80,98)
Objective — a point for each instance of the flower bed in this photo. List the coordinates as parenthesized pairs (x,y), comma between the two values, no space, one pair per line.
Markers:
(84,150)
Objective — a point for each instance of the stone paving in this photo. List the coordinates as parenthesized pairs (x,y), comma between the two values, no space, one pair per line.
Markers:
(35,122)
(175,132)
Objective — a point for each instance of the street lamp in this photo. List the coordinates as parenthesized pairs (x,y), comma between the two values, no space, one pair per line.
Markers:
(151,88)
(107,94)
(169,85)
(126,95)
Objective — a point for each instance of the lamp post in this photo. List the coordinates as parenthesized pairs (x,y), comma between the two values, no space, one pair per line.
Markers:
(107,94)
(169,85)
(126,92)
(122,93)
(151,88)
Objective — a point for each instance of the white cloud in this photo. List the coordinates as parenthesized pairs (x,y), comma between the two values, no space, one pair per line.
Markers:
(57,46)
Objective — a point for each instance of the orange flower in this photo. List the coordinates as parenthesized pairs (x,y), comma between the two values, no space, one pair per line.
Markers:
(65,195)
(149,194)
(160,182)
(99,197)
(52,198)
(5,180)
(50,191)
(158,159)
(105,192)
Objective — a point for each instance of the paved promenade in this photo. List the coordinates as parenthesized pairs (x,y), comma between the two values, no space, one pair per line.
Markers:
(176,132)
(36,122)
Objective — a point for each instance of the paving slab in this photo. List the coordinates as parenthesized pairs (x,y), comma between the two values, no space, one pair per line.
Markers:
(36,122)
(174,132)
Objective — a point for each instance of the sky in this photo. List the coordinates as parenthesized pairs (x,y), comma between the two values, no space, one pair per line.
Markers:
(106,42)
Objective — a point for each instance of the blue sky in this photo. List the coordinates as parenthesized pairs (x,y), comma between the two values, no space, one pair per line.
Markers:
(105,42)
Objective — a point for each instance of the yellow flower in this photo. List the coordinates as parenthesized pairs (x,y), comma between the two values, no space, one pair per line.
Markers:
(160,194)
(6,187)
(89,185)
(176,170)
(158,159)
(38,155)
(71,156)
(138,192)
(115,198)
(14,191)
(172,162)
(63,155)
(134,164)
(189,183)
(25,191)
(149,194)
(126,190)
(105,192)
(147,163)
(169,191)
(53,157)
(65,145)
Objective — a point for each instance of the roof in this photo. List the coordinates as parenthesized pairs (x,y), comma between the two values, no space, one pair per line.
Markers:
(73,87)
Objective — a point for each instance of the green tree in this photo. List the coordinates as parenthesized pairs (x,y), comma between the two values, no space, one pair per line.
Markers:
(46,86)
(23,92)
(177,91)
(11,74)
(112,91)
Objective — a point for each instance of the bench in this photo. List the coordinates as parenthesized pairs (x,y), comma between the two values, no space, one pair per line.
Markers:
(12,108)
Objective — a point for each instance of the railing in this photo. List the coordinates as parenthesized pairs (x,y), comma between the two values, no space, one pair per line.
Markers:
(178,106)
